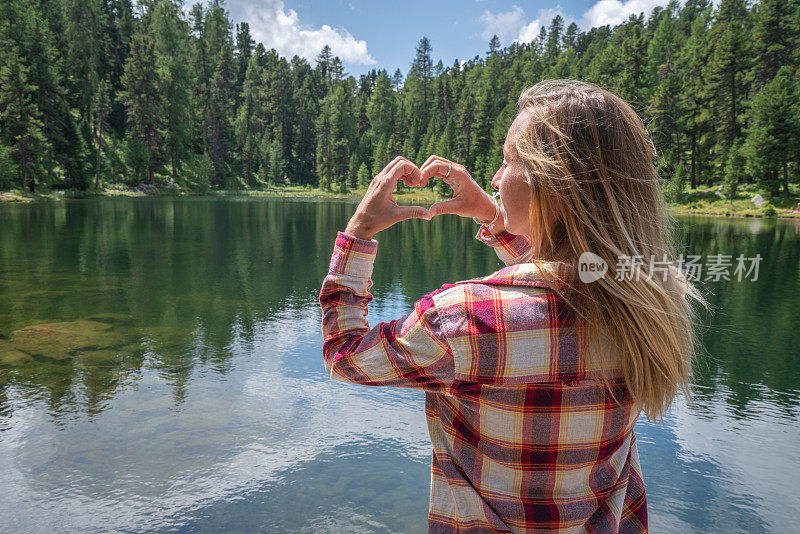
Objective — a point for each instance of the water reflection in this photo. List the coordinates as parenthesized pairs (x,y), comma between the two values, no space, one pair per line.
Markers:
(160,369)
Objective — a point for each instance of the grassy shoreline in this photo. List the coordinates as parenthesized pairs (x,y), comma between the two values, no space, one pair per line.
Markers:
(700,201)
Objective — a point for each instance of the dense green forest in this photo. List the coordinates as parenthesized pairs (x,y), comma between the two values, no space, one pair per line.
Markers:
(97,92)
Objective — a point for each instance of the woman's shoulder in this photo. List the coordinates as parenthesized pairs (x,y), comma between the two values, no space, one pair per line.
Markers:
(527,295)
(544,275)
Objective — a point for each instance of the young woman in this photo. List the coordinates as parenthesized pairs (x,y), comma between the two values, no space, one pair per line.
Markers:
(534,376)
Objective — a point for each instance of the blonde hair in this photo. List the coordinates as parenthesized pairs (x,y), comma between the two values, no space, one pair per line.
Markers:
(589,162)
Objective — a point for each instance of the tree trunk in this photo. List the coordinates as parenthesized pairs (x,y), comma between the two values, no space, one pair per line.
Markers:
(23,168)
(785,180)
(97,172)
(694,160)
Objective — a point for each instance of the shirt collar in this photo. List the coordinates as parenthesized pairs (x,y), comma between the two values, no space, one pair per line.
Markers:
(549,274)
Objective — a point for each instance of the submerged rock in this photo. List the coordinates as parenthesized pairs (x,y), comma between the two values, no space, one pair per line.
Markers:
(65,340)
(8,354)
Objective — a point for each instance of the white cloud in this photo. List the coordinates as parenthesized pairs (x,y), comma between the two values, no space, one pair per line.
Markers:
(506,25)
(515,25)
(529,32)
(613,12)
(280,28)
(544,18)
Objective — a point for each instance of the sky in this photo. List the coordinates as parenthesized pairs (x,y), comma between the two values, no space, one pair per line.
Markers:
(379,34)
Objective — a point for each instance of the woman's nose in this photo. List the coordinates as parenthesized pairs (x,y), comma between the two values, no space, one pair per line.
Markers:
(496,181)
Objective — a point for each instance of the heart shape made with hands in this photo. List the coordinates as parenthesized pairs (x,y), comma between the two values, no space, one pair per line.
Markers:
(378,209)
(468,200)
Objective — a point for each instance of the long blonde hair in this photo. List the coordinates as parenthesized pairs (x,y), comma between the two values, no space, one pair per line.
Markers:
(588,160)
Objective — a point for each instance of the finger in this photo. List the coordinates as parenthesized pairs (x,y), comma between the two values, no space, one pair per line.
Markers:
(438,169)
(406,171)
(433,161)
(448,206)
(402,213)
(430,159)
(391,164)
(414,179)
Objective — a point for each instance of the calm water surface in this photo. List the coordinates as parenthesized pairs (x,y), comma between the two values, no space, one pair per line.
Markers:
(161,370)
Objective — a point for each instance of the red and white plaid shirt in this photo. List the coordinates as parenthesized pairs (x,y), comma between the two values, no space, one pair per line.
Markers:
(525,437)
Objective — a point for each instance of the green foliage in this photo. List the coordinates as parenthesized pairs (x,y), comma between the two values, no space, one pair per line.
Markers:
(94,91)
(767,209)
(200,171)
(675,187)
(773,139)
(363,177)
(734,171)
(21,119)
(727,69)
(8,167)
(143,103)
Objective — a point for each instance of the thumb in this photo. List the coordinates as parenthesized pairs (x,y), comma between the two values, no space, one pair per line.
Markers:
(447,206)
(411,212)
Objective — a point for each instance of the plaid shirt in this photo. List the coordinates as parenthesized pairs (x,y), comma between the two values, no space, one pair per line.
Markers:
(525,438)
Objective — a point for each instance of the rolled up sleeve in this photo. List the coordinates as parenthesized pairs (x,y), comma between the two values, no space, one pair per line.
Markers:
(511,249)
(407,352)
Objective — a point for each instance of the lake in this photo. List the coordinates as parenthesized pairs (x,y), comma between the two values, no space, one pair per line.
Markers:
(161,370)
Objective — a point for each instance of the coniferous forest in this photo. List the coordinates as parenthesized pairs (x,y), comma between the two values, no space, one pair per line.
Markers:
(97,92)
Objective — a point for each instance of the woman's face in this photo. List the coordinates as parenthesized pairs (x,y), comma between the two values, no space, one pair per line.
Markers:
(510,181)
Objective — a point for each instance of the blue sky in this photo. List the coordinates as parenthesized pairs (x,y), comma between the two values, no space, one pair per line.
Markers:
(380,34)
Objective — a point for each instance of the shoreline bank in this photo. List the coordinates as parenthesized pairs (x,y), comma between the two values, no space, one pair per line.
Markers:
(739,208)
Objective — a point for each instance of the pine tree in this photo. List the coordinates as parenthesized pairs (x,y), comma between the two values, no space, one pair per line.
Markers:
(121,27)
(142,100)
(215,88)
(554,36)
(100,110)
(665,105)
(363,177)
(170,34)
(277,164)
(494,45)
(247,127)
(87,50)
(244,51)
(774,36)
(485,115)
(727,67)
(734,171)
(694,99)
(220,120)
(382,107)
(465,113)
(570,39)
(29,29)
(325,64)
(19,116)
(397,80)
(773,138)
(418,92)
(303,159)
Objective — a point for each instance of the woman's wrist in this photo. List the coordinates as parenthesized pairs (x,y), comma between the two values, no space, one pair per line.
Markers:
(358,229)
(358,233)
(489,212)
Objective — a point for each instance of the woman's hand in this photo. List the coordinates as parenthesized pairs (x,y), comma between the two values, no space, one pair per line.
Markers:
(378,210)
(469,200)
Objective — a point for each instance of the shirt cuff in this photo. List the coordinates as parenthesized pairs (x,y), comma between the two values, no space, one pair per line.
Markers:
(353,257)
(510,248)
(503,239)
